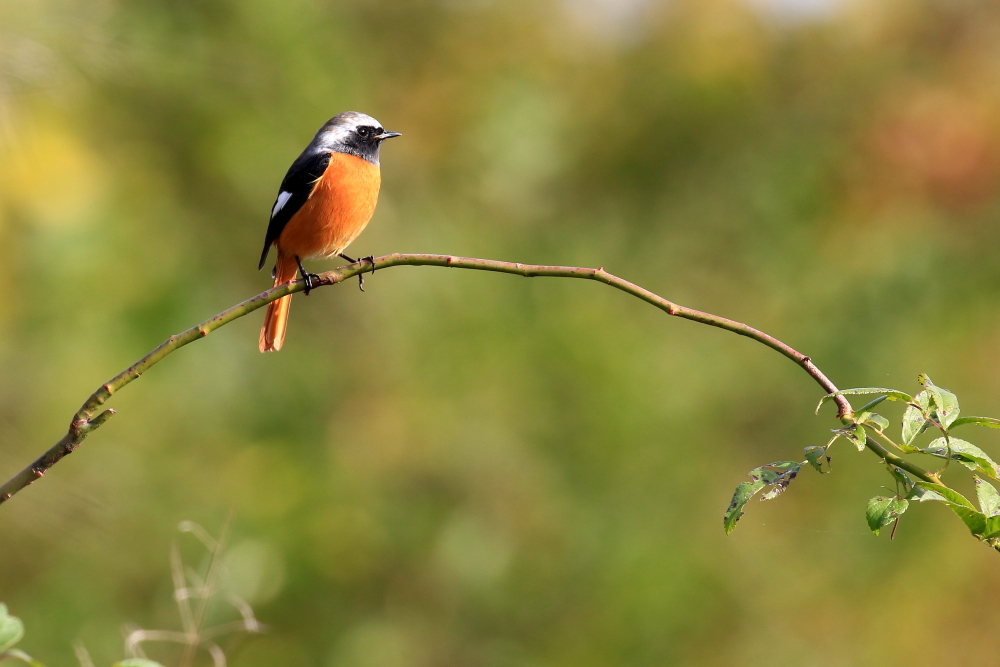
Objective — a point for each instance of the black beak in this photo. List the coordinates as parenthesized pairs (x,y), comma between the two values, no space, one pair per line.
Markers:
(387,135)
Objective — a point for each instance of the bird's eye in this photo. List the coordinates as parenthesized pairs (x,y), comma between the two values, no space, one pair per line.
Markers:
(362,132)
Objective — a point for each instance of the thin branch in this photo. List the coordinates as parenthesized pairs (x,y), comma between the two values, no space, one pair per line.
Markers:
(133,643)
(206,589)
(88,419)
(82,656)
(900,462)
(182,594)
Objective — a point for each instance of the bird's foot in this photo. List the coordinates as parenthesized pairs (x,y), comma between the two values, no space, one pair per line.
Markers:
(310,279)
(361,277)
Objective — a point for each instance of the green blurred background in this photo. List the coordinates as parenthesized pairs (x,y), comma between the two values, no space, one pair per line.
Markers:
(466,469)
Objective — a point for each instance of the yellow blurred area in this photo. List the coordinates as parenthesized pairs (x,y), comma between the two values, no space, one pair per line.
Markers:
(722,40)
(49,176)
(476,470)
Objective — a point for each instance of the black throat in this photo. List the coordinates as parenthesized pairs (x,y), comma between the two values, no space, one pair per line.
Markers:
(366,149)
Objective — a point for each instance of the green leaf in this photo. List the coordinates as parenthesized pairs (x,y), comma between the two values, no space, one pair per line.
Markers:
(989,422)
(991,530)
(777,475)
(816,456)
(865,415)
(920,494)
(778,479)
(137,662)
(945,402)
(891,394)
(975,521)
(959,504)
(867,407)
(874,418)
(946,494)
(856,434)
(989,499)
(883,510)
(914,419)
(877,508)
(781,483)
(744,492)
(914,424)
(986,528)
(11,629)
(965,453)
(900,476)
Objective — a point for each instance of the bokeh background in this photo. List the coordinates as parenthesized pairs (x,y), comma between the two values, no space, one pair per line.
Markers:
(464,469)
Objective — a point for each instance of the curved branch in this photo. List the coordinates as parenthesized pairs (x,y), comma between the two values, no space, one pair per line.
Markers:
(88,419)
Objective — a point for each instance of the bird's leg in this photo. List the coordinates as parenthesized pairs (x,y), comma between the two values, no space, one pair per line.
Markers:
(306,276)
(361,278)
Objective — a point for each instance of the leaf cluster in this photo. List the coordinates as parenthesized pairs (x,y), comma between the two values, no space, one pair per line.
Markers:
(188,587)
(932,409)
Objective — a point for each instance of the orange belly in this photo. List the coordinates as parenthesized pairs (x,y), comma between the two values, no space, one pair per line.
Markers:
(340,206)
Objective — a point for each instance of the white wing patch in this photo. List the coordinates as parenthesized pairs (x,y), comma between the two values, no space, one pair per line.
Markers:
(280,204)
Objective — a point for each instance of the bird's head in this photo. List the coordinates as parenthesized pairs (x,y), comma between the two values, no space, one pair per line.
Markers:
(353,133)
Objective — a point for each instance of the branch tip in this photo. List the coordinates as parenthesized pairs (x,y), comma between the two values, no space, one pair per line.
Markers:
(100,419)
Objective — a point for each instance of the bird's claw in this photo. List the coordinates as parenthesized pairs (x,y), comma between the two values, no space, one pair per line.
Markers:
(361,276)
(312,282)
(310,279)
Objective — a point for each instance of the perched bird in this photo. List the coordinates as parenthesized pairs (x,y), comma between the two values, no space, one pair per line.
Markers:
(325,201)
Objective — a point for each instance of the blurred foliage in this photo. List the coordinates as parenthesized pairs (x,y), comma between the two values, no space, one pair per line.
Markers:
(462,469)
(205,606)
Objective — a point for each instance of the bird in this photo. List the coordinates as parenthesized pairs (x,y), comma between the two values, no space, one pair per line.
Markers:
(325,200)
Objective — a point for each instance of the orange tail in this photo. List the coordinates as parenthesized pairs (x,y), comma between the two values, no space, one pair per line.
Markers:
(272,334)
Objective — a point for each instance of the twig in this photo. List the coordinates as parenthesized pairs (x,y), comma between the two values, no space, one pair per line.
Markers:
(82,656)
(207,589)
(88,419)
(192,635)
(900,462)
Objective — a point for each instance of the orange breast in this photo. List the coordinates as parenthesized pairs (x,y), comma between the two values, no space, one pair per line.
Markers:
(341,205)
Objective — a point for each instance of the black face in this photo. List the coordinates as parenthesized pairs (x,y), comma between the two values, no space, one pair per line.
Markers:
(364,141)
(368,133)
(352,133)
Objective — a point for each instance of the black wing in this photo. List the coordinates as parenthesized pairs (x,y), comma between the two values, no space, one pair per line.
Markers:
(295,190)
